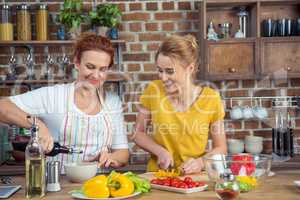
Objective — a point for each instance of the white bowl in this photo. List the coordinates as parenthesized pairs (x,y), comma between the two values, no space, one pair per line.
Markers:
(254,148)
(251,139)
(79,172)
(235,146)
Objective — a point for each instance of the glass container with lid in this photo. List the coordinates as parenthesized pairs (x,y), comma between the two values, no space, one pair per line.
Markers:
(6,25)
(23,22)
(42,22)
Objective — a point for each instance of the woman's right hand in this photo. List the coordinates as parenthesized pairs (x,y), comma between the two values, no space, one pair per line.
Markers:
(45,138)
(164,159)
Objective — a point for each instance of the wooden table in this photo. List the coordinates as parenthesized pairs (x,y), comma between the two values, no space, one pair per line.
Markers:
(280,186)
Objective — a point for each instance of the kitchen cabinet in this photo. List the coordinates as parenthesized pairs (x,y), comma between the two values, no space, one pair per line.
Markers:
(254,56)
(231,59)
(281,57)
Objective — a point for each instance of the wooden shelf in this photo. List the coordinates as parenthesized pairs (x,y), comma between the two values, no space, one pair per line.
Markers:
(112,77)
(281,39)
(226,2)
(232,40)
(48,42)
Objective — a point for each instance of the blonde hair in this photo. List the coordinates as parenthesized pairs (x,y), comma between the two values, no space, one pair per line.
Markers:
(181,48)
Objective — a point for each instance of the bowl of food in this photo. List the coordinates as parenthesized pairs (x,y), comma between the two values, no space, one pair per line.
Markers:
(235,173)
(79,172)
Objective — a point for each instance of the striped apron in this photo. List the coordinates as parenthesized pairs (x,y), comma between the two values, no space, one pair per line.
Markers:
(90,133)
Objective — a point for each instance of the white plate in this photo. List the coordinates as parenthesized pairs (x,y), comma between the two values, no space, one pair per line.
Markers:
(79,195)
(297,183)
(179,190)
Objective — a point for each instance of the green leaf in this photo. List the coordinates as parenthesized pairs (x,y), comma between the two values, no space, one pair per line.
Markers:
(140,184)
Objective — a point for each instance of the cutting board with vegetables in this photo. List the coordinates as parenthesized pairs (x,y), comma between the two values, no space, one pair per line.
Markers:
(179,184)
(199,176)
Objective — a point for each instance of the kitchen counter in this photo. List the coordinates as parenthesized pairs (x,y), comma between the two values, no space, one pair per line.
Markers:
(279,186)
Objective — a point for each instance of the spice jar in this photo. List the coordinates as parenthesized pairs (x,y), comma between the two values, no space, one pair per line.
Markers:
(23,22)
(42,22)
(6,25)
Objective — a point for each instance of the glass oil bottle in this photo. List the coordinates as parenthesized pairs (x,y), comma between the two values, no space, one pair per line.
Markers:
(34,165)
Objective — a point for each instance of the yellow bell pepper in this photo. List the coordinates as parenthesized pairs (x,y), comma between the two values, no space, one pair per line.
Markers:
(247,179)
(96,187)
(120,185)
(164,173)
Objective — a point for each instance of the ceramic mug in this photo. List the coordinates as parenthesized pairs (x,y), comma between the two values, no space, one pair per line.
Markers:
(236,113)
(260,112)
(235,146)
(253,144)
(247,112)
(254,147)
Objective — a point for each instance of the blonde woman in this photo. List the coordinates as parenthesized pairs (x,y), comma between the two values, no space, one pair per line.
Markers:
(183,114)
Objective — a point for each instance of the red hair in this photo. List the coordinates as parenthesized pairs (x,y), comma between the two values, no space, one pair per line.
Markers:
(90,41)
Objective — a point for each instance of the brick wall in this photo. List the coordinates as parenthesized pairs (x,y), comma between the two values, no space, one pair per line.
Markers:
(144,25)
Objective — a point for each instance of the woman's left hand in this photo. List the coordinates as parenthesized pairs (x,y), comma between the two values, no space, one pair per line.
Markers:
(192,165)
(105,159)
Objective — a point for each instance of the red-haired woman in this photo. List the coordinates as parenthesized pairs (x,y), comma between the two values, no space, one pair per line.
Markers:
(79,114)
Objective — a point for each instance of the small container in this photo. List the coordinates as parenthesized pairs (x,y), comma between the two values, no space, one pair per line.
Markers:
(23,22)
(42,22)
(53,174)
(225,30)
(6,25)
(227,188)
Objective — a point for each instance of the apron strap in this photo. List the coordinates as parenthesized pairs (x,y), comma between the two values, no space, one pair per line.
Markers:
(108,132)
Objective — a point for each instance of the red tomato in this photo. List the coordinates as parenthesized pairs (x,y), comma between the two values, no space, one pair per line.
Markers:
(155,181)
(191,184)
(188,179)
(183,185)
(249,166)
(242,157)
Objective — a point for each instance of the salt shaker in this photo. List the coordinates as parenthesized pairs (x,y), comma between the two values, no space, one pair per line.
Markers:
(53,170)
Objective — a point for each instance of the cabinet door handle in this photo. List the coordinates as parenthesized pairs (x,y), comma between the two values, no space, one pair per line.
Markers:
(288,69)
(232,70)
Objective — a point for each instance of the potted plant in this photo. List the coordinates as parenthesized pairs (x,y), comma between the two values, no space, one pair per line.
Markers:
(105,17)
(71,16)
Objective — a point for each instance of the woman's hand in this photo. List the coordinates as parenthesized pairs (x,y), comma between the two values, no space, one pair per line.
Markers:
(164,159)
(106,160)
(192,165)
(45,138)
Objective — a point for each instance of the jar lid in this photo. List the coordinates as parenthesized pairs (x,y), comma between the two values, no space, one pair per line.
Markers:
(23,7)
(5,7)
(43,7)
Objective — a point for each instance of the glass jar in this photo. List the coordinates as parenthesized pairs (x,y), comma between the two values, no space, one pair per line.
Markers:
(23,22)
(42,22)
(6,25)
(227,188)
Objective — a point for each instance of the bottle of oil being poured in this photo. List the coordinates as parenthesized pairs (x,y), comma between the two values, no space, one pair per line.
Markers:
(35,165)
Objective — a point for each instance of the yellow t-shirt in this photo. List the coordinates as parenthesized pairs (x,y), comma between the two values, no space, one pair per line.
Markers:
(183,134)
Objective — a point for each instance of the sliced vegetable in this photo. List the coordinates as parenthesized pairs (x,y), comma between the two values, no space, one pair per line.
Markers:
(247,183)
(243,166)
(140,184)
(164,173)
(188,182)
